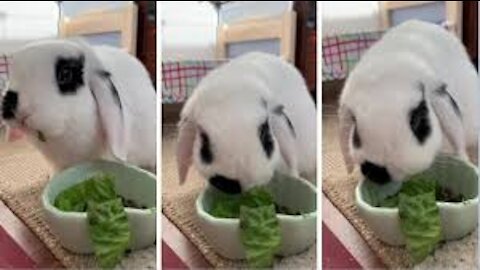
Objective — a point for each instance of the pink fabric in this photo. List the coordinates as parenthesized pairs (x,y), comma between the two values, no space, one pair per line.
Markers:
(179,78)
(341,53)
(11,254)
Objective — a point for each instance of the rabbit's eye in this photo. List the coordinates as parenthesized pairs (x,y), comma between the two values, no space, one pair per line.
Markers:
(279,110)
(69,74)
(419,122)
(266,138)
(442,91)
(356,138)
(205,150)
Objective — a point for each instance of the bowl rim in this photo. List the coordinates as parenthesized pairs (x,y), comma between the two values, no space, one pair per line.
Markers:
(129,211)
(233,221)
(444,205)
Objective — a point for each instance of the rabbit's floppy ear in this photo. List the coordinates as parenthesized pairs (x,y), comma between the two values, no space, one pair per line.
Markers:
(186,138)
(284,132)
(450,117)
(346,125)
(106,92)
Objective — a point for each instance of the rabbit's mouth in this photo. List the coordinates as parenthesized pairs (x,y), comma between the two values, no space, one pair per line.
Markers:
(41,136)
(23,120)
(17,120)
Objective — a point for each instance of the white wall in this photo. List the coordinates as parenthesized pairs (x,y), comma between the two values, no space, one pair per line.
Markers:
(77,8)
(350,17)
(28,19)
(72,8)
(188,30)
(241,10)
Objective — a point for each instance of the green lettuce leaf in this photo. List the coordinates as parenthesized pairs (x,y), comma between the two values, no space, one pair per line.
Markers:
(109,231)
(225,207)
(419,215)
(390,202)
(72,199)
(228,206)
(418,184)
(260,234)
(380,195)
(259,227)
(256,197)
(98,188)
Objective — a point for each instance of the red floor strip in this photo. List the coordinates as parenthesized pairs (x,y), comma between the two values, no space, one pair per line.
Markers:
(12,255)
(170,260)
(335,255)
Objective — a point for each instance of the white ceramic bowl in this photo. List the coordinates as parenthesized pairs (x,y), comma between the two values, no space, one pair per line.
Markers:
(130,182)
(298,232)
(457,219)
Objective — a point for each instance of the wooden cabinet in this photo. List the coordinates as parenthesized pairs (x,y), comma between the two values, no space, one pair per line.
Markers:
(306,42)
(470,29)
(147,36)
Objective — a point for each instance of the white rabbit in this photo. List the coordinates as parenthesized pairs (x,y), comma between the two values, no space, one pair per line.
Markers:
(78,102)
(245,120)
(413,95)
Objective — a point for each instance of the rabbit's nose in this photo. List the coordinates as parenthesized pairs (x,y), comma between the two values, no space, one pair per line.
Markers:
(225,184)
(375,173)
(9,105)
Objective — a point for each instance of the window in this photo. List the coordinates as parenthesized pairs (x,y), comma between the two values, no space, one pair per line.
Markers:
(28,19)
(189,30)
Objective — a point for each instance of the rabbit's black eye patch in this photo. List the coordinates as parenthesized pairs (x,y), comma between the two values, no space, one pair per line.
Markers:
(206,154)
(9,105)
(69,74)
(266,138)
(419,122)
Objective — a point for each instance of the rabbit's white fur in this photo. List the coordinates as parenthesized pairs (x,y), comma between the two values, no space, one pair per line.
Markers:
(231,102)
(386,84)
(82,126)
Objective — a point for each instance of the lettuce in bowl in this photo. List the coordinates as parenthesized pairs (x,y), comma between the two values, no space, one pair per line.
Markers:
(259,227)
(108,225)
(297,232)
(419,201)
